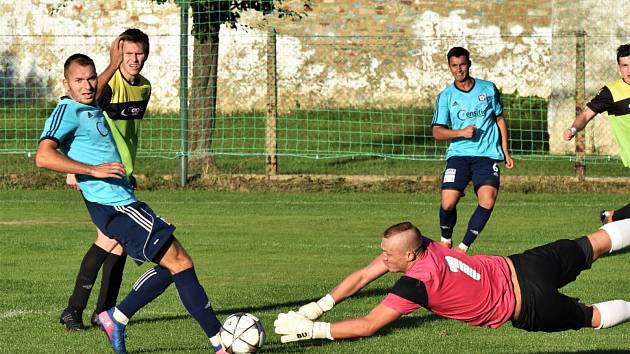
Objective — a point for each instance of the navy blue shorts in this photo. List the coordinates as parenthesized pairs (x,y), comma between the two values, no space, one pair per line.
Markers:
(460,170)
(541,271)
(135,226)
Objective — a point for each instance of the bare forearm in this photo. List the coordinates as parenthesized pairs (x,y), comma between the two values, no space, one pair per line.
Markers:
(348,287)
(442,133)
(103,79)
(357,327)
(504,134)
(359,279)
(582,119)
(365,326)
(55,161)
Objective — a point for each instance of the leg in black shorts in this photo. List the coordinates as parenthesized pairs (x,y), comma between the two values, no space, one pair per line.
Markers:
(543,270)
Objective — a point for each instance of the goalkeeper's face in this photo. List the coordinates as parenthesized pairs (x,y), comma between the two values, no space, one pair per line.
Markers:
(397,256)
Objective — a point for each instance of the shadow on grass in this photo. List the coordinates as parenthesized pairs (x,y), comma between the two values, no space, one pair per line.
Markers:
(280,307)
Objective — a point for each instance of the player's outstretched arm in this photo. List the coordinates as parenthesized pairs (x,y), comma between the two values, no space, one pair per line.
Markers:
(365,326)
(579,123)
(294,327)
(49,158)
(509,163)
(346,288)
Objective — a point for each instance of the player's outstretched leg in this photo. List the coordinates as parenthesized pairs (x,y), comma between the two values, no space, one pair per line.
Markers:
(611,237)
(149,286)
(191,293)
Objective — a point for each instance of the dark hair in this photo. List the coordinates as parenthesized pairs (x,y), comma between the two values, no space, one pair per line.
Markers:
(458,52)
(136,36)
(401,227)
(623,51)
(78,58)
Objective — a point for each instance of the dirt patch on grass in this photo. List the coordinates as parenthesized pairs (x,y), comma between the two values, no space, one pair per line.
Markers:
(334,183)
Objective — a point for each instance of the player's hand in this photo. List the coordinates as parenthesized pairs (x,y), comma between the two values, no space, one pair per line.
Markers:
(315,310)
(311,311)
(469,131)
(569,134)
(133,182)
(71,181)
(116,52)
(108,170)
(293,327)
(509,163)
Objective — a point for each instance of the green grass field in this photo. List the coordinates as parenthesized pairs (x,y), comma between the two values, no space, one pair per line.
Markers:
(267,253)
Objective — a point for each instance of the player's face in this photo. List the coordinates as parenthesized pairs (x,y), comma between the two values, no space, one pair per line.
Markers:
(80,83)
(133,59)
(395,256)
(459,67)
(624,68)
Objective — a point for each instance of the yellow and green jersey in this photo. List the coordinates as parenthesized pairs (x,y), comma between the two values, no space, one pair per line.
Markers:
(124,105)
(615,99)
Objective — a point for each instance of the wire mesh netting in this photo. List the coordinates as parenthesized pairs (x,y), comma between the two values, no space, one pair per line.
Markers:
(355,83)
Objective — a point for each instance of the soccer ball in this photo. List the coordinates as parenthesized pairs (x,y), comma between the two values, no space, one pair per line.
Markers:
(242,333)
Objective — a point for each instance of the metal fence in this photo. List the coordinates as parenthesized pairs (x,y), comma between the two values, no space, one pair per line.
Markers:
(268,97)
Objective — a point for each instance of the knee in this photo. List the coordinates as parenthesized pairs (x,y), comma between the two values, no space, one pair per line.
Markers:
(176,259)
(487,200)
(487,203)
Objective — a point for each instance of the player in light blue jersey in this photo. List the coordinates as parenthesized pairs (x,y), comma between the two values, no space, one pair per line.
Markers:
(469,114)
(77,139)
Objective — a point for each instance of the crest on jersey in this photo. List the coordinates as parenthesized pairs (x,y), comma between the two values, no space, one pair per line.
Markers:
(482,97)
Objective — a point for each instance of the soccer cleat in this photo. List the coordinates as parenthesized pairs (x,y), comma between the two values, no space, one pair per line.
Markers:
(96,322)
(460,250)
(605,216)
(218,349)
(72,320)
(114,330)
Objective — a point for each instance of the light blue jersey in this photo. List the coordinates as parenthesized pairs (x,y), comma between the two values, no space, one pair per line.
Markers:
(82,134)
(456,109)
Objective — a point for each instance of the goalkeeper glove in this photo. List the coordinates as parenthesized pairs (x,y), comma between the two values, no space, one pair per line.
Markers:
(294,327)
(315,310)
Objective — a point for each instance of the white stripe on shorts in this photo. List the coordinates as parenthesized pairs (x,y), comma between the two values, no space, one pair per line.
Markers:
(136,216)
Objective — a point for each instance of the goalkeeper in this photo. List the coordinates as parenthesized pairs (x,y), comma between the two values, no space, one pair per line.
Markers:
(479,290)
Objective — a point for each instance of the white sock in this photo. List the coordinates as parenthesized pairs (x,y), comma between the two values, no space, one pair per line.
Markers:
(216,342)
(619,233)
(445,240)
(120,317)
(613,313)
(463,246)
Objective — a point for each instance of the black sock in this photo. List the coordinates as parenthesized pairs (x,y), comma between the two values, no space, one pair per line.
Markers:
(622,213)
(150,285)
(448,219)
(476,224)
(194,298)
(88,272)
(110,282)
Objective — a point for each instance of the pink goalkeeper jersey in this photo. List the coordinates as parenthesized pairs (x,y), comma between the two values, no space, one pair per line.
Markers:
(474,289)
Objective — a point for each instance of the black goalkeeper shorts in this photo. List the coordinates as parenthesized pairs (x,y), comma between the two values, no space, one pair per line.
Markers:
(541,271)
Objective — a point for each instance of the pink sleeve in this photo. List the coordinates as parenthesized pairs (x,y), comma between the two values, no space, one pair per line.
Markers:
(400,304)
